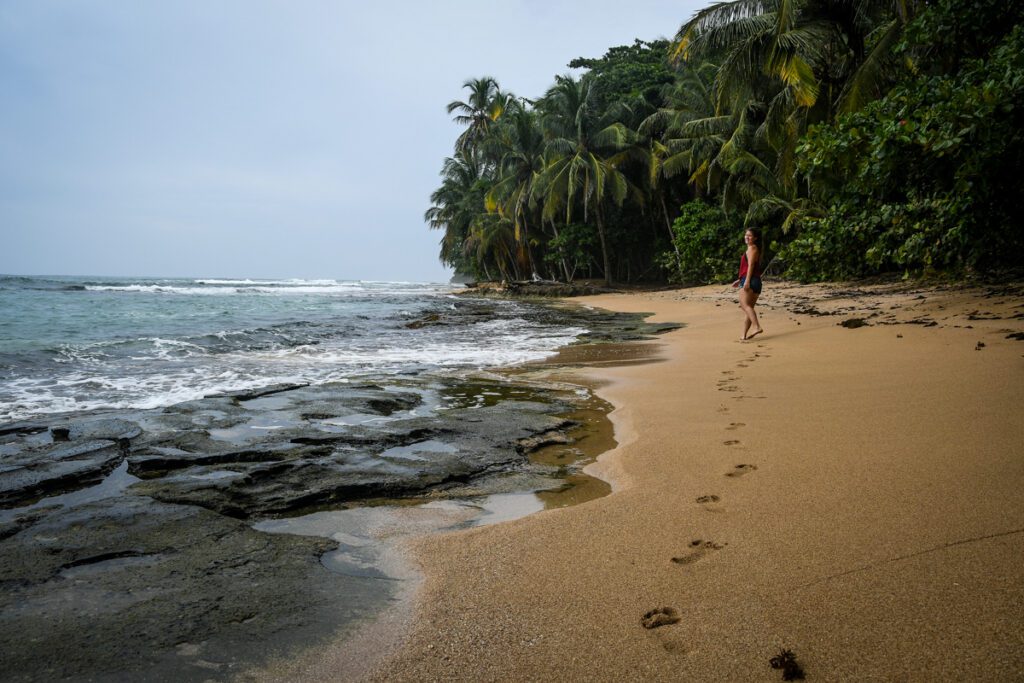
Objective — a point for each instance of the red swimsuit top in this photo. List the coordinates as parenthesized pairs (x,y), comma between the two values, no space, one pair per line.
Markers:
(744,267)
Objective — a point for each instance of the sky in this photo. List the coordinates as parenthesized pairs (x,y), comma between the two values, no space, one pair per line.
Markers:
(248,138)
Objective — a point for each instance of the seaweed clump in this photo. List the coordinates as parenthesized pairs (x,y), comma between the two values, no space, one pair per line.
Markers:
(791,669)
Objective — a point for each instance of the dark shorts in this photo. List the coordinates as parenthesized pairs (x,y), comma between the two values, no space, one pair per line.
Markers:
(755,284)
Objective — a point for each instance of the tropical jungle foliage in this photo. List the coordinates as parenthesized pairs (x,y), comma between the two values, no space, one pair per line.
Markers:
(862,136)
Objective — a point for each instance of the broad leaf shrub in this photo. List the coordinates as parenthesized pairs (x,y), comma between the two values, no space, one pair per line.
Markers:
(572,249)
(709,245)
(928,177)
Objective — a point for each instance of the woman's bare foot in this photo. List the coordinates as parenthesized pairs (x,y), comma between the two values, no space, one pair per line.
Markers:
(753,334)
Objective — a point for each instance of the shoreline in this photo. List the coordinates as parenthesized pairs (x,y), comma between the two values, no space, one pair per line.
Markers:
(361,648)
(787,498)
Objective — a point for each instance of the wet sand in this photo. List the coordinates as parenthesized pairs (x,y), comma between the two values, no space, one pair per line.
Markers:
(849,491)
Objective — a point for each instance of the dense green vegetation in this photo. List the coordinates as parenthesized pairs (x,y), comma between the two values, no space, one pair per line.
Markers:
(863,137)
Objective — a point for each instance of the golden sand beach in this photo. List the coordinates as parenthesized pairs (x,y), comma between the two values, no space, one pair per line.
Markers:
(853,494)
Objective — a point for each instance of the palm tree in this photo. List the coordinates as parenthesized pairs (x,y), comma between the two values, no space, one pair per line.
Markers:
(485,105)
(490,241)
(455,205)
(686,134)
(580,158)
(841,49)
(520,142)
(786,64)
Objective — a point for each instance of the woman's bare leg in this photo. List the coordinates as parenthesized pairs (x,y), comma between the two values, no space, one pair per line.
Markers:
(747,301)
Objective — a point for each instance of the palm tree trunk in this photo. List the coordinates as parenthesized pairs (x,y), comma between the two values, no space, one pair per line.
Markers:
(604,247)
(671,235)
(530,267)
(528,261)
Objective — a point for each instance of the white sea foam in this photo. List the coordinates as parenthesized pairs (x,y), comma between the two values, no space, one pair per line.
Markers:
(162,289)
(24,398)
(240,370)
(509,349)
(290,282)
(140,351)
(279,288)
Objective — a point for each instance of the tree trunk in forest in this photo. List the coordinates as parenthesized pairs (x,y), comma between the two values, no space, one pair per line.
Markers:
(565,267)
(604,247)
(525,242)
(671,235)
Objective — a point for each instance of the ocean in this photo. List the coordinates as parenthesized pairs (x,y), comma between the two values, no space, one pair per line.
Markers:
(74,344)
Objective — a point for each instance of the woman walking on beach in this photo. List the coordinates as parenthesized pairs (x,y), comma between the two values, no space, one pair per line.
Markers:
(749,282)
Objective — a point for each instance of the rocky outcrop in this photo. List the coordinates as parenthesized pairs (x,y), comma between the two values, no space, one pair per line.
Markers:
(129,588)
(71,457)
(164,577)
(534,288)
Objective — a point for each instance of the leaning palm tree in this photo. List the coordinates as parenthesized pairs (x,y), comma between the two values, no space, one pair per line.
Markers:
(581,158)
(490,241)
(455,205)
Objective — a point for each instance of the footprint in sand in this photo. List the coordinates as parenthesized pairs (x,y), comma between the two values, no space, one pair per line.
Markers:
(740,470)
(728,372)
(730,442)
(735,425)
(742,365)
(698,549)
(709,503)
(662,616)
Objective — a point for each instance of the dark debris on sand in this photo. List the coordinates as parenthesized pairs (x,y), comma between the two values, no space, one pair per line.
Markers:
(662,616)
(791,669)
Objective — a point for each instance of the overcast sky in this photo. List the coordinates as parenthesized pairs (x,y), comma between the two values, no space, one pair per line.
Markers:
(259,139)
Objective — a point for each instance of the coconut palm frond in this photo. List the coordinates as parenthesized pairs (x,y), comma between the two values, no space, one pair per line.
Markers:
(714,16)
(714,125)
(812,41)
(676,164)
(785,16)
(795,72)
(700,175)
(724,37)
(613,137)
(740,70)
(558,147)
(656,122)
(867,81)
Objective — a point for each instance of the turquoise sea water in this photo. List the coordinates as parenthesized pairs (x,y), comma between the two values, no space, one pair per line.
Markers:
(70,344)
